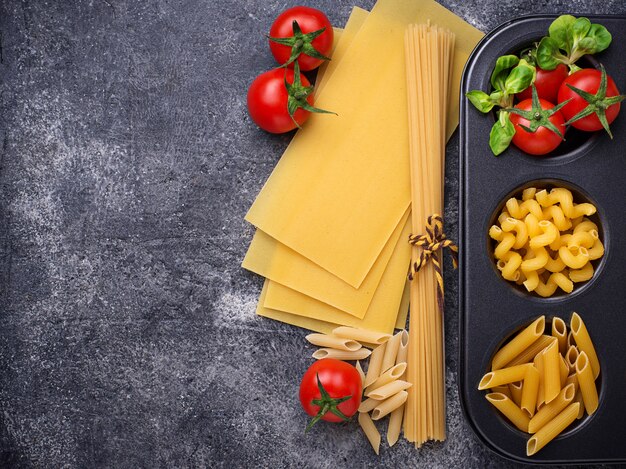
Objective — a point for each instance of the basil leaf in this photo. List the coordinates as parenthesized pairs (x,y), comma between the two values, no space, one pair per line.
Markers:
(501,133)
(520,77)
(602,37)
(500,71)
(561,31)
(481,100)
(547,52)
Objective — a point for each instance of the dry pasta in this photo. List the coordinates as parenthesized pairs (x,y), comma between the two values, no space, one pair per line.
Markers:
(388,390)
(368,405)
(389,405)
(551,382)
(395,425)
(521,342)
(375,364)
(403,349)
(361,335)
(370,431)
(361,373)
(552,429)
(331,341)
(546,242)
(584,343)
(340,354)
(391,352)
(392,374)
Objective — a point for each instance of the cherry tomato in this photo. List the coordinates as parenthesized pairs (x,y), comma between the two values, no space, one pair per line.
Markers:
(309,20)
(547,83)
(587,79)
(339,380)
(267,101)
(543,140)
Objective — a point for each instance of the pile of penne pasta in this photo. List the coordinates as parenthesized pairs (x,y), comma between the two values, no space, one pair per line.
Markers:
(384,389)
(545,241)
(543,382)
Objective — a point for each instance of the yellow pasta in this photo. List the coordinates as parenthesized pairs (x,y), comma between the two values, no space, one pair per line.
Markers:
(518,344)
(388,390)
(391,352)
(553,238)
(539,364)
(563,370)
(503,389)
(368,405)
(530,389)
(403,349)
(360,354)
(559,330)
(516,390)
(375,364)
(570,357)
(361,373)
(331,341)
(584,343)
(552,409)
(387,377)
(587,384)
(552,429)
(552,374)
(395,425)
(516,415)
(503,376)
(389,405)
(528,355)
(361,335)
(370,431)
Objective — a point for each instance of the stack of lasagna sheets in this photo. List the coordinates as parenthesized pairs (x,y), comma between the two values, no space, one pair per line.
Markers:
(333,218)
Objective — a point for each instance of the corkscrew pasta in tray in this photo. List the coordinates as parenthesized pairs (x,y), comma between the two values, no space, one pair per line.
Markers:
(498,299)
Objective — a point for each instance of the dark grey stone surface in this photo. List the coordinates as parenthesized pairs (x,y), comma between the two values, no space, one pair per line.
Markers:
(127,162)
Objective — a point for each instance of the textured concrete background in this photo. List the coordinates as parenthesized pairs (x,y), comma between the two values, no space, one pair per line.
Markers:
(127,162)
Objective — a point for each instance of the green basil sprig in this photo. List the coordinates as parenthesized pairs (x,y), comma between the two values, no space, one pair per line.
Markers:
(510,75)
(569,39)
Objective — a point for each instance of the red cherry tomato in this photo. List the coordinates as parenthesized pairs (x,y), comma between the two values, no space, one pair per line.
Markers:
(309,20)
(543,140)
(267,101)
(587,79)
(547,83)
(339,379)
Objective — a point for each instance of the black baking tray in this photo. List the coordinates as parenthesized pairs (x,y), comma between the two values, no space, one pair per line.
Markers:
(490,307)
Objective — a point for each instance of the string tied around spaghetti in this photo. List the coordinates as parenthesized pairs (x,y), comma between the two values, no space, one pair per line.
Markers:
(431,242)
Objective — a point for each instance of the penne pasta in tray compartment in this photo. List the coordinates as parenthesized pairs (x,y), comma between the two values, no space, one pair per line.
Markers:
(541,236)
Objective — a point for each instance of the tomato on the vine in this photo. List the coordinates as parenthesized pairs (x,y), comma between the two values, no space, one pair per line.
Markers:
(330,390)
(303,34)
(593,92)
(544,139)
(547,83)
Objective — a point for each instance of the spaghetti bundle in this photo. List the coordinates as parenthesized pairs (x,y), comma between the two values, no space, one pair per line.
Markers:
(429,54)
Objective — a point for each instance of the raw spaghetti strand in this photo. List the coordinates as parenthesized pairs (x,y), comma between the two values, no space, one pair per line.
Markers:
(429,52)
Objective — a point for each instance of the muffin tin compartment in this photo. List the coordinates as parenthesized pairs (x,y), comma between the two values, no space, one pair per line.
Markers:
(491,309)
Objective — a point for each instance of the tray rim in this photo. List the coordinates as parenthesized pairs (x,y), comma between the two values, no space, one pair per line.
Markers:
(462,257)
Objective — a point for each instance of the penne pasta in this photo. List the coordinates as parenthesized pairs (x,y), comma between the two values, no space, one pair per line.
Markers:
(388,390)
(361,373)
(515,415)
(552,429)
(530,389)
(368,427)
(516,392)
(518,344)
(330,341)
(389,405)
(392,374)
(586,383)
(391,352)
(395,425)
(551,372)
(563,370)
(503,376)
(403,349)
(375,364)
(584,343)
(360,354)
(504,389)
(368,405)
(551,410)
(361,335)
(539,364)
(559,330)
(528,355)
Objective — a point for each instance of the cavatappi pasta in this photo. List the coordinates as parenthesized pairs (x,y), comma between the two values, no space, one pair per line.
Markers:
(385,392)
(543,385)
(546,242)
